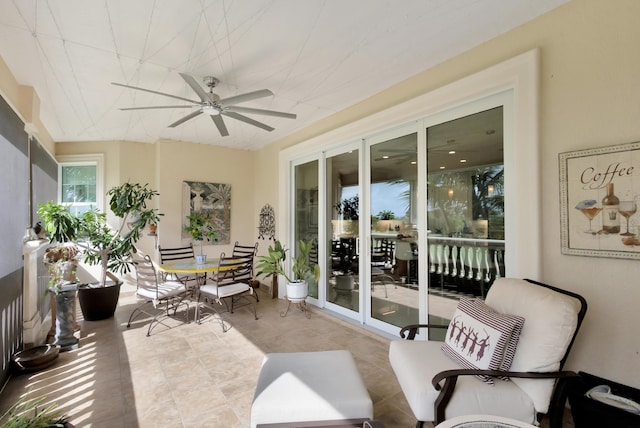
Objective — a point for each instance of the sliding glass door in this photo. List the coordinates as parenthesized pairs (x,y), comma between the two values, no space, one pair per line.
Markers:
(343,230)
(394,267)
(426,203)
(306,203)
(465,210)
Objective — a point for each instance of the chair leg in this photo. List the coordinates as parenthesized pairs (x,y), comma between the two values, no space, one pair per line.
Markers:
(137,311)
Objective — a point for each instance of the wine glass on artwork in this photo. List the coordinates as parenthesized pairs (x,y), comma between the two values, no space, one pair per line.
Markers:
(627,209)
(590,209)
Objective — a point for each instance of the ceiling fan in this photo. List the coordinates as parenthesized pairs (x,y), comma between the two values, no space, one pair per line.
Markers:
(211,104)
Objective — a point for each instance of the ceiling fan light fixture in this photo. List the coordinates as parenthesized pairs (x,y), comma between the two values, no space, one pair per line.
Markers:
(210,110)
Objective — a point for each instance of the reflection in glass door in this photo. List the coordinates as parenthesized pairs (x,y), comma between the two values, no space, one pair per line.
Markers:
(306,213)
(343,242)
(465,210)
(395,270)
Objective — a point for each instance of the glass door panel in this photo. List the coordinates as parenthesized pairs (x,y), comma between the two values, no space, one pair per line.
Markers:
(343,243)
(394,274)
(465,210)
(306,213)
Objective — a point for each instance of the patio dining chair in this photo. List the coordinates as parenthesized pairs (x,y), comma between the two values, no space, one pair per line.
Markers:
(249,252)
(164,296)
(501,357)
(227,288)
(177,254)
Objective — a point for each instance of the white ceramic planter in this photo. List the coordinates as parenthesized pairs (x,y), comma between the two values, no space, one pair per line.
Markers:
(201,258)
(297,291)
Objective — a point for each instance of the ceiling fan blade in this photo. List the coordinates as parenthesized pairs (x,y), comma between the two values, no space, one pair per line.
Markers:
(246,97)
(195,86)
(239,109)
(248,120)
(153,107)
(217,119)
(184,119)
(155,92)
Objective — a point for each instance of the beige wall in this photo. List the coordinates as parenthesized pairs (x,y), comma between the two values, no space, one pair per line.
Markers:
(165,165)
(589,98)
(180,161)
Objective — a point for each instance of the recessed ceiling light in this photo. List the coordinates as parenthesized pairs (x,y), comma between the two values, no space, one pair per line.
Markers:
(452,152)
(442,167)
(463,160)
(413,162)
(385,157)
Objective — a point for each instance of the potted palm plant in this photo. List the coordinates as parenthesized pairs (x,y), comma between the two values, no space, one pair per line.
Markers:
(269,265)
(302,268)
(111,248)
(200,226)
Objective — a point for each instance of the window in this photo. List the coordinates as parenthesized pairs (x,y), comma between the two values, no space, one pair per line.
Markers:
(81,182)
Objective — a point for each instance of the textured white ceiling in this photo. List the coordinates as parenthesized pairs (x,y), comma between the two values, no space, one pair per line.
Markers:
(318,57)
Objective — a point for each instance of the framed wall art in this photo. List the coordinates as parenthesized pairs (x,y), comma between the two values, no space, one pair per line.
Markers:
(599,198)
(213,200)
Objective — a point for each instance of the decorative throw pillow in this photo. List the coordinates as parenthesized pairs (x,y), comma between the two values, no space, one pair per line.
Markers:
(480,338)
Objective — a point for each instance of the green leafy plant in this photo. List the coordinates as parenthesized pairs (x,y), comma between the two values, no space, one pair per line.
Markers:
(100,243)
(26,414)
(62,228)
(59,223)
(302,267)
(201,227)
(349,208)
(111,248)
(386,215)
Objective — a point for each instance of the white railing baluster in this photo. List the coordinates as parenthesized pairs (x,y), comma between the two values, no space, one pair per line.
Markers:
(495,262)
(479,254)
(487,276)
(470,253)
(462,261)
(432,256)
(446,259)
(439,254)
(454,260)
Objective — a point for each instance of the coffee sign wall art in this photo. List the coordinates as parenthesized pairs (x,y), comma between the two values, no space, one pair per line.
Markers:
(599,198)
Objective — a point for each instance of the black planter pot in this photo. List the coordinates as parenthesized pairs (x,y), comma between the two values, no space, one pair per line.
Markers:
(99,303)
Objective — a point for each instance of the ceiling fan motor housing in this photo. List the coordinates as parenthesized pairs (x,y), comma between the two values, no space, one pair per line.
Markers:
(210,81)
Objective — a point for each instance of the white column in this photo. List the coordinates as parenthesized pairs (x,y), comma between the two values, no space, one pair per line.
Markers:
(33,331)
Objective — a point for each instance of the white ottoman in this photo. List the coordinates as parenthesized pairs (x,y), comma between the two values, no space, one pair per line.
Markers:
(309,386)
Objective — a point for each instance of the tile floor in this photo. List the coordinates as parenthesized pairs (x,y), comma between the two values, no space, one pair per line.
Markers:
(192,375)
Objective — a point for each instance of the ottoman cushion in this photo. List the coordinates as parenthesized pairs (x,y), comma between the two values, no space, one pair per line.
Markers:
(309,386)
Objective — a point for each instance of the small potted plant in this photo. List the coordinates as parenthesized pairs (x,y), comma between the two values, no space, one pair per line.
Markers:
(269,265)
(201,227)
(62,259)
(29,413)
(302,268)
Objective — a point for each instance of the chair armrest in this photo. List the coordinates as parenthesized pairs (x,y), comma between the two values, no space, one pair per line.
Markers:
(413,329)
(450,378)
(449,374)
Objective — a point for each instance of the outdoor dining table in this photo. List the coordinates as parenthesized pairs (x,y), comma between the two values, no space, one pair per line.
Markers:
(201,270)
(189,266)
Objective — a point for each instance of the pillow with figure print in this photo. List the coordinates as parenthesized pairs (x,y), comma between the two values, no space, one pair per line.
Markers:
(480,338)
